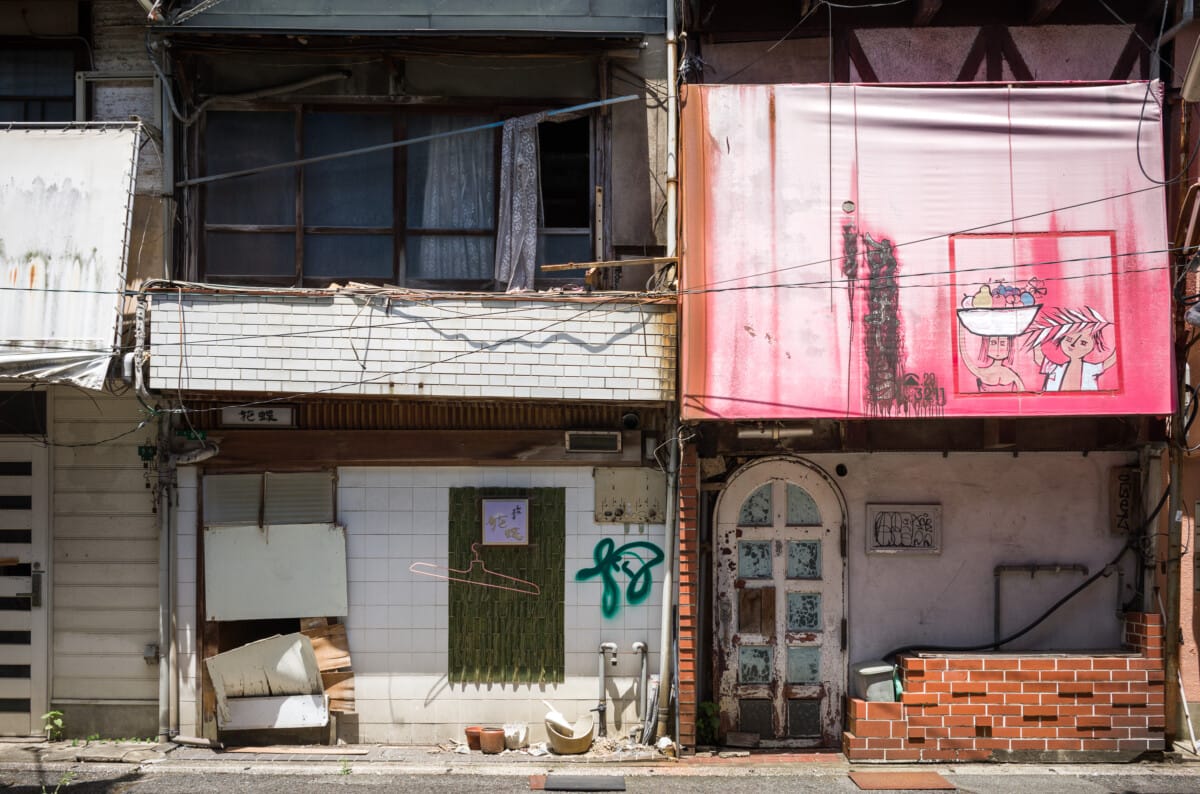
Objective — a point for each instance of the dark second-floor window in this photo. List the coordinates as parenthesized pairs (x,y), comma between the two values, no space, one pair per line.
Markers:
(37,84)
(422,215)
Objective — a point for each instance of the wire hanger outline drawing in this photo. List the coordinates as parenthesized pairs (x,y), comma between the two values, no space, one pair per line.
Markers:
(500,581)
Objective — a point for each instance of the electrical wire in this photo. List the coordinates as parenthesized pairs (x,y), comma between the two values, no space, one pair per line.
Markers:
(986,646)
(771,49)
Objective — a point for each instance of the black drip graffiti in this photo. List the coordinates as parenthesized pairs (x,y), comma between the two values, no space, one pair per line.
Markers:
(889,389)
(884,343)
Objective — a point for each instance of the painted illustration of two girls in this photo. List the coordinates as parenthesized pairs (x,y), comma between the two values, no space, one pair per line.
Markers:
(1067,345)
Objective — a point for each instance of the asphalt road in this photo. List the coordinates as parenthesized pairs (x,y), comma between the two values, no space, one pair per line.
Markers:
(92,779)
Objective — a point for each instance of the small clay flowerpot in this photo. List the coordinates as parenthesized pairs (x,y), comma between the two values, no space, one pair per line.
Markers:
(491,740)
(473,737)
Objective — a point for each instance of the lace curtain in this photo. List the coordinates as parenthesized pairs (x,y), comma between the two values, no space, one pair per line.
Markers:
(517,233)
(451,184)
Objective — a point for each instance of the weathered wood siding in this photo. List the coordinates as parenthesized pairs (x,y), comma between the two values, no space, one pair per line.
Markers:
(104,574)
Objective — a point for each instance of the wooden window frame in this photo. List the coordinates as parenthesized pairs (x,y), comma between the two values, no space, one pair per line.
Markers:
(399,230)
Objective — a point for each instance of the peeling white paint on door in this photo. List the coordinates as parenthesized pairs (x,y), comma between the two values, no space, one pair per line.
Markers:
(779,604)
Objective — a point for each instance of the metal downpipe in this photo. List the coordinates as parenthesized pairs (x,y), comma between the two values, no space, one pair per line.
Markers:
(665,656)
(166,481)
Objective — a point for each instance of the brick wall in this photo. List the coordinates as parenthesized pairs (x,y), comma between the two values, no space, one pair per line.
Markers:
(689,593)
(460,347)
(996,707)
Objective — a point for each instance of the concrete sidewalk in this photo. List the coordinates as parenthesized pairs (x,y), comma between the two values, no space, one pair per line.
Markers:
(417,760)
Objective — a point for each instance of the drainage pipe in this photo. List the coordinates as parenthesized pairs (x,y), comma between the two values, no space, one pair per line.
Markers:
(672,197)
(639,648)
(166,601)
(602,675)
(668,589)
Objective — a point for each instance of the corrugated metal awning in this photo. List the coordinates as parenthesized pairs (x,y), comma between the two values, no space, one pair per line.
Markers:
(65,205)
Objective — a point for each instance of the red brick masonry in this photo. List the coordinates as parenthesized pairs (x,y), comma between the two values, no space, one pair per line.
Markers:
(1002,706)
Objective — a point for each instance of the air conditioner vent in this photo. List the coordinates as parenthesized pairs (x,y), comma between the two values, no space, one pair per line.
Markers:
(593,441)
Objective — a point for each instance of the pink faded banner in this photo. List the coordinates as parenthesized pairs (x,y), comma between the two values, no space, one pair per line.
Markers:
(878,251)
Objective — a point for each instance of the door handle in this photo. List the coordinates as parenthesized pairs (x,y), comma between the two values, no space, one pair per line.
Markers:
(35,589)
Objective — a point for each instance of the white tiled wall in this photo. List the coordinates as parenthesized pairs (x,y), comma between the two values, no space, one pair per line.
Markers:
(398,622)
(536,349)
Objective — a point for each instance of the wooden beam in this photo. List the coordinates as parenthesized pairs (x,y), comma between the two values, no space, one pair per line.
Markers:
(1012,54)
(645,260)
(1127,58)
(975,55)
(1039,10)
(926,11)
(858,57)
(305,450)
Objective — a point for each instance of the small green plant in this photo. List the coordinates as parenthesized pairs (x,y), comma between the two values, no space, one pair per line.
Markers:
(345,770)
(708,719)
(52,723)
(65,780)
(93,737)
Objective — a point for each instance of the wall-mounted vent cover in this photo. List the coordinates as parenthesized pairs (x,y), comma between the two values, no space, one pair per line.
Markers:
(593,441)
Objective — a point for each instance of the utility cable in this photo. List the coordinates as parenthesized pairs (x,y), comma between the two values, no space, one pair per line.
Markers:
(987,646)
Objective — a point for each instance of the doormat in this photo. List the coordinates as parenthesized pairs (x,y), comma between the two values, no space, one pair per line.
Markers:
(283,749)
(901,781)
(576,783)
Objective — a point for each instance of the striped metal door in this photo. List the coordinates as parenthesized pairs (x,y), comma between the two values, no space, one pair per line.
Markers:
(23,587)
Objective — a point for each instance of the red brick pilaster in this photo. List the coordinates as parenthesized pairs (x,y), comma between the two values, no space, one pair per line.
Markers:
(689,594)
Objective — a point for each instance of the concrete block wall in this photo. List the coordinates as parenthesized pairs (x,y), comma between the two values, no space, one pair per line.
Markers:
(398,626)
(1015,707)
(462,347)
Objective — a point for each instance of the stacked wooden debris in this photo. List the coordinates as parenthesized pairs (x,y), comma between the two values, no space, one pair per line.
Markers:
(333,660)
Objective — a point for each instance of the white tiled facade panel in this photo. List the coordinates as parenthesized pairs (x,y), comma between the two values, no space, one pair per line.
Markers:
(559,350)
(398,624)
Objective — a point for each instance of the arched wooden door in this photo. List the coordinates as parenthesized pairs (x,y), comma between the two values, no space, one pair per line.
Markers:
(780,632)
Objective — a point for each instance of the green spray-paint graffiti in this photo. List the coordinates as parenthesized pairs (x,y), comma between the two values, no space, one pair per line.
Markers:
(610,559)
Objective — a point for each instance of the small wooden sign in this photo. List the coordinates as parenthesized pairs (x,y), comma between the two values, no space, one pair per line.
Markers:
(506,522)
(1124,499)
(266,415)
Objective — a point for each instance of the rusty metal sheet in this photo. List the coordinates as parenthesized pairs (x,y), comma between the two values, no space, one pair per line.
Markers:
(65,205)
(923,251)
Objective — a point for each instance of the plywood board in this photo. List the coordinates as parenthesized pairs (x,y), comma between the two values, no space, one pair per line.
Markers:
(901,781)
(330,645)
(286,749)
(339,685)
(284,571)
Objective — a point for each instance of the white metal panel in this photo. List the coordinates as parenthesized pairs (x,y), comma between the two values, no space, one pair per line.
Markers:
(279,665)
(286,571)
(65,203)
(292,711)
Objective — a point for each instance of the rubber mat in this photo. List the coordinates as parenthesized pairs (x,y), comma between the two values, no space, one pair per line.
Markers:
(901,781)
